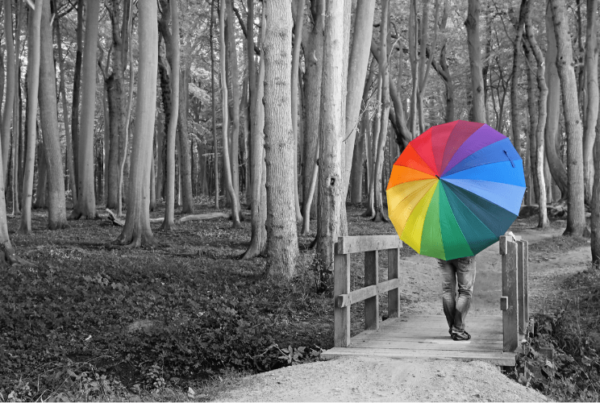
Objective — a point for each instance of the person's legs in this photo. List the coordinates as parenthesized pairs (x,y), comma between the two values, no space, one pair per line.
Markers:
(448,290)
(465,273)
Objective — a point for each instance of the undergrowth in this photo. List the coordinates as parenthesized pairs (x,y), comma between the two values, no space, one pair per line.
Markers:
(92,322)
(561,358)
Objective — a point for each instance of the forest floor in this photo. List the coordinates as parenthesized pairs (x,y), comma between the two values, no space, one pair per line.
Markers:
(186,319)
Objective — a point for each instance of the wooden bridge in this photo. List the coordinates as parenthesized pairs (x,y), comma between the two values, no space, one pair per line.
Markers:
(495,338)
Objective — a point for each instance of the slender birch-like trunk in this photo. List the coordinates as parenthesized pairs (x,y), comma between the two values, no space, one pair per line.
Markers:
(33,82)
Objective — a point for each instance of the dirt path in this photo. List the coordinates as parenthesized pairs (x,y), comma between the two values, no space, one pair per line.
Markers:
(377,379)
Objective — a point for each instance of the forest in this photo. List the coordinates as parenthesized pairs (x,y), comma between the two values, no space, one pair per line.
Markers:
(174,174)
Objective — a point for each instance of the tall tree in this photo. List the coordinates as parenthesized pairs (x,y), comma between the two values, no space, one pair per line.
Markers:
(173,57)
(514,94)
(57,210)
(330,144)
(70,166)
(472,24)
(119,17)
(385,110)
(185,162)
(86,206)
(33,82)
(442,69)
(591,114)
(357,73)
(213,104)
(235,206)
(557,168)
(11,85)
(298,15)
(258,166)
(233,76)
(137,231)
(541,126)
(313,47)
(576,219)
(282,238)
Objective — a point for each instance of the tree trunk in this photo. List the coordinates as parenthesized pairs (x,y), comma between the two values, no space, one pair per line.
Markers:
(357,74)
(213,105)
(282,244)
(531,180)
(591,115)
(413,40)
(233,74)
(472,24)
(330,174)
(137,231)
(258,242)
(514,94)
(66,122)
(125,143)
(541,126)
(87,199)
(576,219)
(33,81)
(557,168)
(41,191)
(116,110)
(372,153)
(57,209)
(357,168)
(298,25)
(185,162)
(385,110)
(173,57)
(11,83)
(313,51)
(235,212)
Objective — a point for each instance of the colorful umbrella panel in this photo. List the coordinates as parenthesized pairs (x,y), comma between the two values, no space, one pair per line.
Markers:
(455,189)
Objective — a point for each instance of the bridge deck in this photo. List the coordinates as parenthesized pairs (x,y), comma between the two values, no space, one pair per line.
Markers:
(416,336)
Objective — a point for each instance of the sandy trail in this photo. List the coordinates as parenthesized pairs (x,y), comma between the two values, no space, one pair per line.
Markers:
(382,379)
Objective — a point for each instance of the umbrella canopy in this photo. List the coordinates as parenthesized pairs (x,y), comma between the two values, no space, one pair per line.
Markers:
(455,189)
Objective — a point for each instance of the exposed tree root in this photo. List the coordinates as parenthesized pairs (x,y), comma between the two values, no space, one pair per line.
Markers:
(380,216)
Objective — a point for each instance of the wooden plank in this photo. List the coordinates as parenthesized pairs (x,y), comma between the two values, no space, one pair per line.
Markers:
(406,345)
(367,243)
(362,294)
(510,316)
(502,244)
(341,285)
(523,281)
(371,279)
(497,358)
(393,294)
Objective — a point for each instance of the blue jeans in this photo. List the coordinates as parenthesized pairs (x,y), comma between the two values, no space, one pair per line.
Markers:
(458,275)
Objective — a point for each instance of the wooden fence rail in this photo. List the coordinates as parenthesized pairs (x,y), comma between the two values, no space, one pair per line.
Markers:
(514,302)
(344,298)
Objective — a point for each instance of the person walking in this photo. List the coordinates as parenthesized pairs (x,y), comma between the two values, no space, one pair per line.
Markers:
(457,292)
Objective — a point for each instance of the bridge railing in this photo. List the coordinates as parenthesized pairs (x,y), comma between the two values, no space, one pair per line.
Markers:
(344,298)
(514,302)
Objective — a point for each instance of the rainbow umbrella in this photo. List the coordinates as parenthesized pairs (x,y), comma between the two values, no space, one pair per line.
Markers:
(455,189)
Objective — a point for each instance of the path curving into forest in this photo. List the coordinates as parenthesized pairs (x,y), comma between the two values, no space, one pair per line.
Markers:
(381,379)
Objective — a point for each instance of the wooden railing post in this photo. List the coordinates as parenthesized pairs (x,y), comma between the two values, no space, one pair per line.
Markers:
(341,286)
(523,281)
(509,303)
(343,298)
(372,278)
(393,295)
